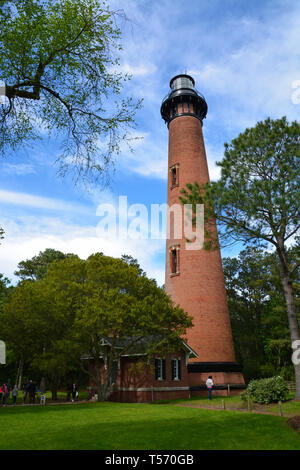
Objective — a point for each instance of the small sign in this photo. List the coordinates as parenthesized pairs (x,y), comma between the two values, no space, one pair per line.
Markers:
(2,352)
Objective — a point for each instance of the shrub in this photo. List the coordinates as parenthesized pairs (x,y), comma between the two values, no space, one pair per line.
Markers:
(270,390)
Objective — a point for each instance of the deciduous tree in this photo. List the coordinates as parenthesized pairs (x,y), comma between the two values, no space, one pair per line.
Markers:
(112,299)
(60,66)
(36,268)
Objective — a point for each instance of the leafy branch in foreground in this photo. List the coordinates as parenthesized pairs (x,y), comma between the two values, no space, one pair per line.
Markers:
(59,64)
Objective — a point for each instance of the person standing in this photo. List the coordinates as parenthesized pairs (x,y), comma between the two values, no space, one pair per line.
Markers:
(15,393)
(209,386)
(5,395)
(74,392)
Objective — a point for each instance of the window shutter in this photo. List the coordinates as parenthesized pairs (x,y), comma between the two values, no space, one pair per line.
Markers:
(156,368)
(179,369)
(163,361)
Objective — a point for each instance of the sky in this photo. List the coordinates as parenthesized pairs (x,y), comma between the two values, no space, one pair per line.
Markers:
(245,59)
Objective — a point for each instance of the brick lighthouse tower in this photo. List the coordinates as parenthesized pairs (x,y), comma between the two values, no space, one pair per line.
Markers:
(194,278)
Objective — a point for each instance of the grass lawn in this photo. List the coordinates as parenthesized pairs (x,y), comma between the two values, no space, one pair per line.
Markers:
(141,426)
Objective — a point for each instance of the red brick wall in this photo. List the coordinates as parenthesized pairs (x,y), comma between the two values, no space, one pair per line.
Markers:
(136,374)
(200,287)
(219,378)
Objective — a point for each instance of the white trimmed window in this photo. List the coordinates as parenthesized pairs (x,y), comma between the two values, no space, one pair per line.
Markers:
(160,369)
(176,369)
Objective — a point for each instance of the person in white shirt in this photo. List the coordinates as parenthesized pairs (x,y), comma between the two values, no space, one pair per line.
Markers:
(209,385)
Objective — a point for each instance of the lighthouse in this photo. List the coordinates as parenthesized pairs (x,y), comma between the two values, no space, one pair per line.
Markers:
(194,277)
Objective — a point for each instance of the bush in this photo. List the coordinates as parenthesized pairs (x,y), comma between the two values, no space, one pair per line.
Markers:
(264,391)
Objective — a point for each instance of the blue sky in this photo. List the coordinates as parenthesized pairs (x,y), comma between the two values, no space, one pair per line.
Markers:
(244,56)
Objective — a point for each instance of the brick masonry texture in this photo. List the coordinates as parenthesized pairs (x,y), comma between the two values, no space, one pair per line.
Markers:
(199,288)
(137,373)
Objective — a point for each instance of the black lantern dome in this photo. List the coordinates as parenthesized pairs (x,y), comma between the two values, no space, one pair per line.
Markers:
(183,99)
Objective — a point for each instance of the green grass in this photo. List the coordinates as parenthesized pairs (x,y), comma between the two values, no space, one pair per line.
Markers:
(141,426)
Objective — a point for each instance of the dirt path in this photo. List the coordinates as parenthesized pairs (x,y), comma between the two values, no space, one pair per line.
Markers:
(48,403)
(232,409)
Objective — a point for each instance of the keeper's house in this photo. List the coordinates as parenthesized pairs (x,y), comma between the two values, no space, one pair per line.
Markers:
(137,378)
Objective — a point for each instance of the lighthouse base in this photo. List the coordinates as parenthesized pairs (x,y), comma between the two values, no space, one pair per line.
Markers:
(227,377)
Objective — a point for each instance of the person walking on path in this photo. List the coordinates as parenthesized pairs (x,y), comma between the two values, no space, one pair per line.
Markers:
(15,393)
(5,395)
(74,392)
(209,386)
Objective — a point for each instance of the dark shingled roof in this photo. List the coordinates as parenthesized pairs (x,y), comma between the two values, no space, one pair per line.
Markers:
(140,346)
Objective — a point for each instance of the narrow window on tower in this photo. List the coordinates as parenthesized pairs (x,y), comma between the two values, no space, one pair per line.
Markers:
(174,175)
(174,260)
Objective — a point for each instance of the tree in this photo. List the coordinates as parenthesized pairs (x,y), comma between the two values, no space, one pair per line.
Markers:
(23,317)
(132,262)
(58,60)
(5,288)
(19,318)
(256,200)
(52,323)
(36,267)
(36,326)
(112,300)
(4,282)
(258,313)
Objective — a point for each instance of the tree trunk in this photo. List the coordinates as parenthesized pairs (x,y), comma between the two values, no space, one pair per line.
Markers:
(43,385)
(100,386)
(20,374)
(54,388)
(291,310)
(104,390)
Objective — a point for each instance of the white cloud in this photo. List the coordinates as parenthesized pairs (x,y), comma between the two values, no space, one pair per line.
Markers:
(26,236)
(18,169)
(24,199)
(213,154)
(147,157)
(140,69)
(245,66)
